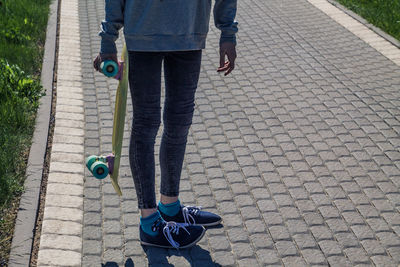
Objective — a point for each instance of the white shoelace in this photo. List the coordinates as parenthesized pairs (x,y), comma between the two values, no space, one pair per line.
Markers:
(173,227)
(187,216)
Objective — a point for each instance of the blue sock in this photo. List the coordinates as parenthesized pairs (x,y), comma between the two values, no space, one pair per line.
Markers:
(147,222)
(170,209)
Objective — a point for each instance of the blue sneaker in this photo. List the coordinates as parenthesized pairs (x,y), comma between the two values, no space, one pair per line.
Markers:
(193,215)
(172,235)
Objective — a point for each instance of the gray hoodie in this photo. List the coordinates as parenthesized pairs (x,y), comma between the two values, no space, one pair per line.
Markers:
(165,25)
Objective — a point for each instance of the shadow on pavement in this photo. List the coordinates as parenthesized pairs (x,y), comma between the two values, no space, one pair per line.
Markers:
(195,256)
(128,263)
(158,257)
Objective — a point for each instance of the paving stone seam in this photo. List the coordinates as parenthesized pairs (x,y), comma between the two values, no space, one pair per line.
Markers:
(285,221)
(61,239)
(248,186)
(325,192)
(235,156)
(260,172)
(358,91)
(343,19)
(193,135)
(354,140)
(213,192)
(376,41)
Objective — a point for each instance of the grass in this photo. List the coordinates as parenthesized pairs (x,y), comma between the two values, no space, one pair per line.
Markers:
(22,32)
(384,14)
(22,35)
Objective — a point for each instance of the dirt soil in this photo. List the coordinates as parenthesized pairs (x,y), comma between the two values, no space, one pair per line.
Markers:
(7,230)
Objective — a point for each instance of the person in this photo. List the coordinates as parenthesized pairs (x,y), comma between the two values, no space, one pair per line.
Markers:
(172,33)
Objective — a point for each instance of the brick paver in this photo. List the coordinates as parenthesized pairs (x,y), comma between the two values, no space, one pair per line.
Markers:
(297,150)
(61,235)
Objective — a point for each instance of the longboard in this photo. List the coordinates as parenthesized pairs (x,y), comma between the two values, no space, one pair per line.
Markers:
(102,166)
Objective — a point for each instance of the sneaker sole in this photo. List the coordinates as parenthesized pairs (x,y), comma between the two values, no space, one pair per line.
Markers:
(210,224)
(187,246)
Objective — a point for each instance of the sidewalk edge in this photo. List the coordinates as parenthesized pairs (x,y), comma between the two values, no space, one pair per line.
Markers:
(363,21)
(27,212)
(371,35)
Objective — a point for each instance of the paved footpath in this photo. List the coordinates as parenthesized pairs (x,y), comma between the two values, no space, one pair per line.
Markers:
(297,150)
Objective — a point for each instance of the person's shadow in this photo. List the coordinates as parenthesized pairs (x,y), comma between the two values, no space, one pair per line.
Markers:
(128,263)
(158,257)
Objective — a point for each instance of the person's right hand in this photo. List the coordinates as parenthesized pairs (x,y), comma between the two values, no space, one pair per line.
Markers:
(103,57)
(229,50)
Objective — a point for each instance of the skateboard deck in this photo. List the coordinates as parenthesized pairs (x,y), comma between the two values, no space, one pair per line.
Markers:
(101,166)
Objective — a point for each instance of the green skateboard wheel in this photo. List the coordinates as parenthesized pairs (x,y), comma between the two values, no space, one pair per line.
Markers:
(109,68)
(99,170)
(90,160)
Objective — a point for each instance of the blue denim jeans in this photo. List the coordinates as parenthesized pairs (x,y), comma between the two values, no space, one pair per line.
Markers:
(181,73)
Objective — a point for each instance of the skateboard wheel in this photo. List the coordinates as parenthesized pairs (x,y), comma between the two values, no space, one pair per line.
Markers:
(90,160)
(109,68)
(99,170)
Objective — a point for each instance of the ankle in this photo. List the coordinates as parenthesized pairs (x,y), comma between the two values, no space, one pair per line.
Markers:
(147,212)
(170,209)
(168,200)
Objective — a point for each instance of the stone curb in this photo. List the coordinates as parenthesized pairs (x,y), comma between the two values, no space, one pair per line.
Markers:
(22,242)
(378,31)
(380,41)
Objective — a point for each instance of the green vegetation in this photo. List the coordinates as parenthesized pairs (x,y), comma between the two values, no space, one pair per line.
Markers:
(384,14)
(19,95)
(22,35)
(23,31)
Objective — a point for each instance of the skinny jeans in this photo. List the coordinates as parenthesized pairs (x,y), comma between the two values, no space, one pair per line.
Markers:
(181,75)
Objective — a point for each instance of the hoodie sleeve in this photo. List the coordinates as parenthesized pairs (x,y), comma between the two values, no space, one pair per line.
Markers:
(110,26)
(224,18)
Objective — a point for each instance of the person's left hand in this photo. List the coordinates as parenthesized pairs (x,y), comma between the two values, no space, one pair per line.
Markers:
(101,58)
(229,50)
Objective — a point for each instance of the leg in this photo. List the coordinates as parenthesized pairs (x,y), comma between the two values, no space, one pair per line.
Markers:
(145,86)
(182,71)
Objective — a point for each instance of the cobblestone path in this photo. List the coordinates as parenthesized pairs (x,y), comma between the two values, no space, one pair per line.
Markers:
(297,150)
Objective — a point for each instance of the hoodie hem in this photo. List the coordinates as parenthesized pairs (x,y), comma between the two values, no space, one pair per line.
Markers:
(164,43)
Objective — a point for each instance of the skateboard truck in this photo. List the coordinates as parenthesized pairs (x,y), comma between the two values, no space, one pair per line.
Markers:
(100,166)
